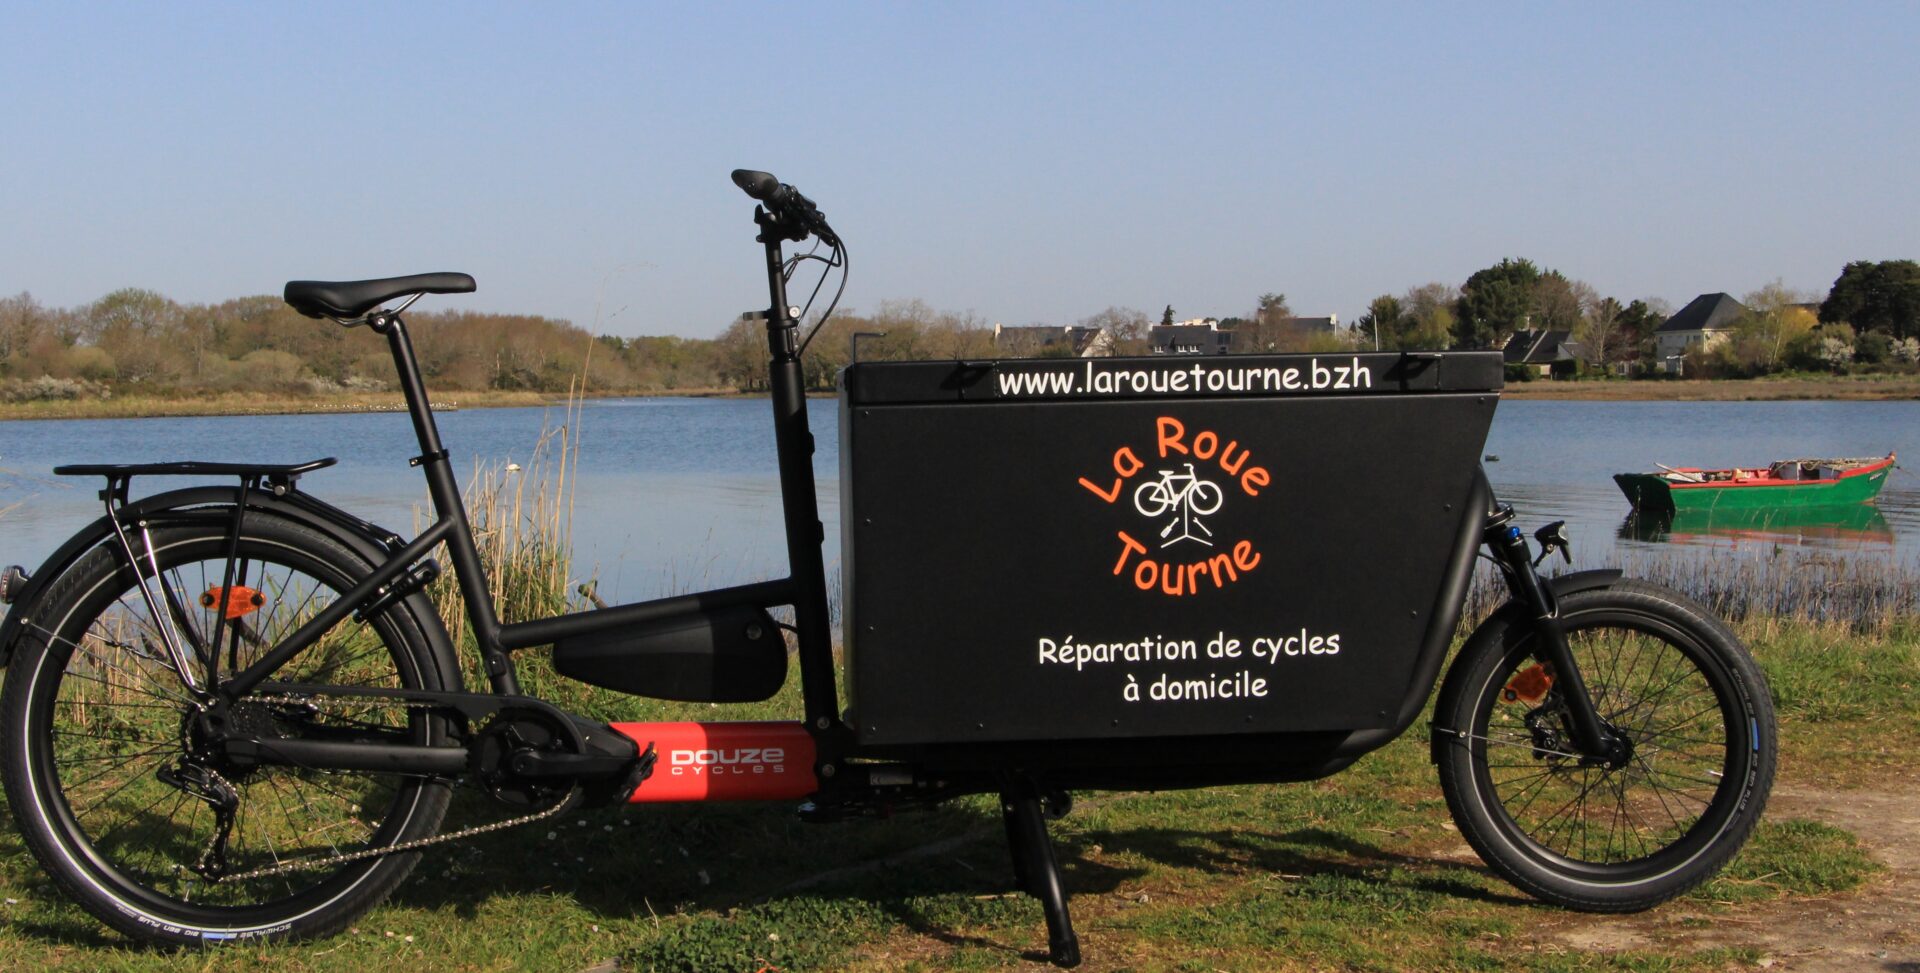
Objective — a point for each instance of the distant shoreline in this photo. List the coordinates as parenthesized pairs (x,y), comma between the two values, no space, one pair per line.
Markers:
(258,404)
(1866,388)
(1855,389)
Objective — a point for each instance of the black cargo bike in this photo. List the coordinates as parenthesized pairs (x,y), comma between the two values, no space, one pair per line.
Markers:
(232,712)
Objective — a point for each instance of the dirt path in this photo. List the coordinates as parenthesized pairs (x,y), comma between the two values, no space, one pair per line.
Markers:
(1876,928)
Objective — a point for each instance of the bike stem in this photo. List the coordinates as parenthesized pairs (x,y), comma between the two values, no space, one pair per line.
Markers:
(1509,545)
(799,501)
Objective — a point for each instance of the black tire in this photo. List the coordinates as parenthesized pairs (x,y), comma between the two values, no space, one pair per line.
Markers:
(1662,670)
(92,715)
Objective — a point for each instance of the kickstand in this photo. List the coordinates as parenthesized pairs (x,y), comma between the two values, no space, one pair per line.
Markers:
(1036,870)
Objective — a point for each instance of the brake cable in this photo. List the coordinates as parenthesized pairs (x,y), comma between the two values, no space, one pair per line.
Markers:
(840,260)
(786,271)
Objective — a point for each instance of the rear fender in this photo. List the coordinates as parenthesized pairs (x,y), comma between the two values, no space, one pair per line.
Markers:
(368,541)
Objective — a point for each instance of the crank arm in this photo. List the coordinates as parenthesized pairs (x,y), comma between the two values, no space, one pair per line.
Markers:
(543,763)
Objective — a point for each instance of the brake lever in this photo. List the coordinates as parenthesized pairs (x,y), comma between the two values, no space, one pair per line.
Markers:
(807,215)
(1554,537)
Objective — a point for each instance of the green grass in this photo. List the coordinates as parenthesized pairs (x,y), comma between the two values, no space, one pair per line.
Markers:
(1361,871)
(1849,704)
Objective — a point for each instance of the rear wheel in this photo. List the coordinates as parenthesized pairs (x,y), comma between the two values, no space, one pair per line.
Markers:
(146,826)
(1582,833)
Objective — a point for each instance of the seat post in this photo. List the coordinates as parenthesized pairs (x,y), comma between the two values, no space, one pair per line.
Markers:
(445,494)
(413,388)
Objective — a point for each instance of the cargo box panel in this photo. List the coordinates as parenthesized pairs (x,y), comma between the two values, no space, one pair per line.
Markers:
(1088,567)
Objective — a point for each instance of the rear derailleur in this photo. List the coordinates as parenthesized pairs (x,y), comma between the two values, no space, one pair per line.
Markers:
(203,782)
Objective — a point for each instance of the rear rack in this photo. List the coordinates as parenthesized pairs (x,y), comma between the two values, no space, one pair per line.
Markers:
(195,468)
(277,478)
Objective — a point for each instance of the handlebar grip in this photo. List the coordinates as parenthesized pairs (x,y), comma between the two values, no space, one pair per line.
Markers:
(786,204)
(760,185)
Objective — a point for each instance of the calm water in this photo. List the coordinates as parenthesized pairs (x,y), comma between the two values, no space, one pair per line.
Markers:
(680,493)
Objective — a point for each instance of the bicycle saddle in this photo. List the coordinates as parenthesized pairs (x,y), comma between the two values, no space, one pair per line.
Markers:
(353,298)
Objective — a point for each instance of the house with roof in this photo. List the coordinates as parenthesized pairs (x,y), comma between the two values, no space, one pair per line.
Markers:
(1551,353)
(1048,341)
(1704,323)
(1200,336)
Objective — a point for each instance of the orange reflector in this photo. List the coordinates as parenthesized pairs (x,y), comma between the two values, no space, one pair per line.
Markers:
(1529,685)
(240,601)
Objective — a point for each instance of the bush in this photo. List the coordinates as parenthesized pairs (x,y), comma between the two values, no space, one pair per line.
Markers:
(362,383)
(1833,353)
(370,373)
(1803,353)
(1718,361)
(90,363)
(46,388)
(1873,348)
(1517,372)
(267,369)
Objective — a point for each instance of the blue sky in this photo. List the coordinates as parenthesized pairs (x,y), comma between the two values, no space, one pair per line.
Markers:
(1030,162)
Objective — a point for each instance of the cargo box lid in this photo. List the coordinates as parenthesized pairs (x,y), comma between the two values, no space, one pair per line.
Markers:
(1170,376)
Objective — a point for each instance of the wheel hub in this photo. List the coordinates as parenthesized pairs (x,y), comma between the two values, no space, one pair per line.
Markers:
(1619,746)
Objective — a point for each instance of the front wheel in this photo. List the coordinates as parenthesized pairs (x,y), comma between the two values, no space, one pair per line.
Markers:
(1583,833)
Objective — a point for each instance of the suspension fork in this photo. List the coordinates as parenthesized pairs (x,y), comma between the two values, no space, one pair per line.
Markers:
(1509,547)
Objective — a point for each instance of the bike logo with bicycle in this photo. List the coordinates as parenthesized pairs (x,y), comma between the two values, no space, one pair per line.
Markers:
(1188,477)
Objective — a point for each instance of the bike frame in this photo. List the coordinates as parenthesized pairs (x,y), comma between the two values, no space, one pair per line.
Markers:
(804,589)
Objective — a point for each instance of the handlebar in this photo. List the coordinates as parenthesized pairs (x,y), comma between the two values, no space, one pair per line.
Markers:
(786,205)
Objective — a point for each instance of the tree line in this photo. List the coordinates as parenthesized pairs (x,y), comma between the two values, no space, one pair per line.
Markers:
(140,340)
(1870,317)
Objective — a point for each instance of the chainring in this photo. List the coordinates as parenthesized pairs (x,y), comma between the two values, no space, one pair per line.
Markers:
(512,731)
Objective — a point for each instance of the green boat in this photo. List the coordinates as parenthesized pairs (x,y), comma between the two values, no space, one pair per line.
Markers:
(1788,483)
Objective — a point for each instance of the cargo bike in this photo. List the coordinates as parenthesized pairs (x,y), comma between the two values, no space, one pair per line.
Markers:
(231,711)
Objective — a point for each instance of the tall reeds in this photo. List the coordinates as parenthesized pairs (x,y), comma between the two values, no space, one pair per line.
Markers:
(522,519)
(1866,594)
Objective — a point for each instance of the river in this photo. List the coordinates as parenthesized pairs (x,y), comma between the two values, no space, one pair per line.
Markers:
(675,494)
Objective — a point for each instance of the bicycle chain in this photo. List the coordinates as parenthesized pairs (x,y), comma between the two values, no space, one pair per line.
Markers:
(312,864)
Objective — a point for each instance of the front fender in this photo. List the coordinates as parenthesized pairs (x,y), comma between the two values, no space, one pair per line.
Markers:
(1567,584)
(370,542)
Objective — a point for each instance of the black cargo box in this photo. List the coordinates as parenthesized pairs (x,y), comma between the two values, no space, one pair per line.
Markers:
(1071,549)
